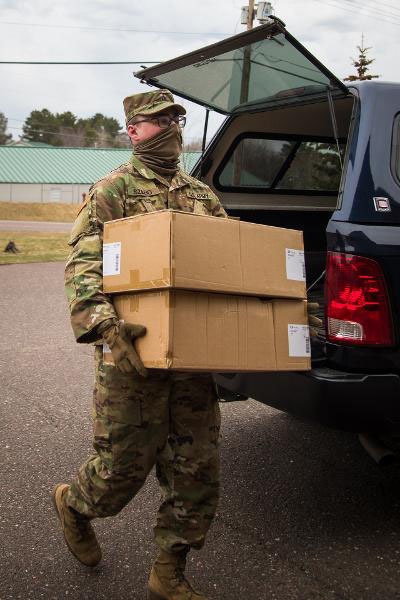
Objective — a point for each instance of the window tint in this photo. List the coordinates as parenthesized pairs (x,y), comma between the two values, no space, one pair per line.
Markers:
(276,164)
(315,166)
(255,163)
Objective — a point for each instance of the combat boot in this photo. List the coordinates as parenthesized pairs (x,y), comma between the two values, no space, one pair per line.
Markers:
(167,579)
(78,532)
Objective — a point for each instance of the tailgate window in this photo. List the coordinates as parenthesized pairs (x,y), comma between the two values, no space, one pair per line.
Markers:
(272,164)
(265,64)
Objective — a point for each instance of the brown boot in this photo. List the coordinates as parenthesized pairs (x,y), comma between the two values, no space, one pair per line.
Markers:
(78,532)
(167,579)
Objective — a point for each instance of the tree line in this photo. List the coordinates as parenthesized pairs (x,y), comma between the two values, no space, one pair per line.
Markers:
(66,129)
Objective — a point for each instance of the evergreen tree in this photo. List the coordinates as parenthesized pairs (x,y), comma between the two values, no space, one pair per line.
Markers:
(42,126)
(4,136)
(65,129)
(362,65)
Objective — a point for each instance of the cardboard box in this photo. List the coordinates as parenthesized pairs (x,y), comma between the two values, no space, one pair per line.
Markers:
(197,331)
(291,335)
(171,249)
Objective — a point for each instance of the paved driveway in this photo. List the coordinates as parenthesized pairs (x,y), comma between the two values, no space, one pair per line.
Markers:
(304,513)
(42,226)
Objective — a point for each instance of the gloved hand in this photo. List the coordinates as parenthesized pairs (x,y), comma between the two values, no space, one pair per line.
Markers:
(120,338)
(313,321)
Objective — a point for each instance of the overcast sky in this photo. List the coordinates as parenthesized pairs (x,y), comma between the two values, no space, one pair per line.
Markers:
(95,30)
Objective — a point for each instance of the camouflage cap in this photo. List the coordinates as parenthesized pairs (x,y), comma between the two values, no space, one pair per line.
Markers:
(150,103)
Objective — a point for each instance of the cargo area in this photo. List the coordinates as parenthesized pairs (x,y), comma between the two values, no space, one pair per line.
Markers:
(297,185)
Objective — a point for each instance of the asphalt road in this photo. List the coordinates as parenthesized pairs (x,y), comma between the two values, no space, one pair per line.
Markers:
(42,226)
(305,514)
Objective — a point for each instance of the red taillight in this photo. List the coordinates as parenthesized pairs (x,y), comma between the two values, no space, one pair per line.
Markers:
(357,306)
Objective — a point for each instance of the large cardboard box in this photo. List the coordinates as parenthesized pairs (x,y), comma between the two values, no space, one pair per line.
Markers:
(171,249)
(197,331)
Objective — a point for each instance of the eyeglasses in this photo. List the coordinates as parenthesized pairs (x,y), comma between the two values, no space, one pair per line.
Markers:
(165,121)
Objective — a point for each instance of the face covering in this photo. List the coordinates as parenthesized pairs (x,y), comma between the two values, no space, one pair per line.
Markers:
(161,152)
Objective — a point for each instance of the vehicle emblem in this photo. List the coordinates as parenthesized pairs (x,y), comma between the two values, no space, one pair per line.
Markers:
(382,204)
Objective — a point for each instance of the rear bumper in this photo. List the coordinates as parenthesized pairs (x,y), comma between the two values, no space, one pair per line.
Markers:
(352,401)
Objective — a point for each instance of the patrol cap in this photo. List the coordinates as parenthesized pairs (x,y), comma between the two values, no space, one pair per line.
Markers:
(150,103)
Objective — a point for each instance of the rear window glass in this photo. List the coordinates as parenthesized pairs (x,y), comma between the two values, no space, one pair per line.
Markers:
(283,165)
(266,70)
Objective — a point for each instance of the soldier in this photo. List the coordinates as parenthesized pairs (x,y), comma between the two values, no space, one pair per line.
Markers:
(141,418)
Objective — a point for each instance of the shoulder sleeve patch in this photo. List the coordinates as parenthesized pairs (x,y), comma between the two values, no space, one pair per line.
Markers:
(84,223)
(82,206)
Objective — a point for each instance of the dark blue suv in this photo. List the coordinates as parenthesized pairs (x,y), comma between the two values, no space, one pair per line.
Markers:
(299,149)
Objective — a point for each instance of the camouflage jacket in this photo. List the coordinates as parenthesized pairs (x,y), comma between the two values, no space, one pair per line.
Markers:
(130,190)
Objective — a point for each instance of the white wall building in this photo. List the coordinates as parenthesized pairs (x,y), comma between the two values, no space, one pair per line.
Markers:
(49,174)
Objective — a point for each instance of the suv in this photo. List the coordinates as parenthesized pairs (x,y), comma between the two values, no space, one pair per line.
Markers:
(299,149)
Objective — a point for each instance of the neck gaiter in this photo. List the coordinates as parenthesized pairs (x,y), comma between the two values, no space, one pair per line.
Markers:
(161,152)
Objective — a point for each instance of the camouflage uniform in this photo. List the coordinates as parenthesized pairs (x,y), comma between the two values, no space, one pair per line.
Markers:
(171,419)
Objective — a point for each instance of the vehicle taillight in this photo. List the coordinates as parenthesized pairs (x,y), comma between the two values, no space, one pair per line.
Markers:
(357,306)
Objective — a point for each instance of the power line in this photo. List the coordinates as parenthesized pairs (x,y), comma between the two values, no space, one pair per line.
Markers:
(385,5)
(359,4)
(390,5)
(366,11)
(102,62)
(128,29)
(350,10)
(56,133)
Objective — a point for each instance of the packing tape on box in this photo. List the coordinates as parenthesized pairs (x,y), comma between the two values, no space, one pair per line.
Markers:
(169,300)
(134,303)
(134,277)
(165,281)
(135,283)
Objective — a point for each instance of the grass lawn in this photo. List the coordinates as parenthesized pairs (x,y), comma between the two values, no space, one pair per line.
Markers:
(34,247)
(36,211)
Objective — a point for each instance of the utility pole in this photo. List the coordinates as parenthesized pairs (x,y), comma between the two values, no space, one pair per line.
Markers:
(244,91)
(264,10)
(250,15)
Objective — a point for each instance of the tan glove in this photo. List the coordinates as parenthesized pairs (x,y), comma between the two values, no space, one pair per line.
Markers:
(313,321)
(120,338)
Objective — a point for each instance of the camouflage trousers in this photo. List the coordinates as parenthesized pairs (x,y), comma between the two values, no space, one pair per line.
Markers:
(170,420)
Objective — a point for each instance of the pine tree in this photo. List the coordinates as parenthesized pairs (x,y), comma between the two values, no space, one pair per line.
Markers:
(4,136)
(362,65)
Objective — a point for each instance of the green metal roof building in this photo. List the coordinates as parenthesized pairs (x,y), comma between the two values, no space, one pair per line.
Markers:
(49,174)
